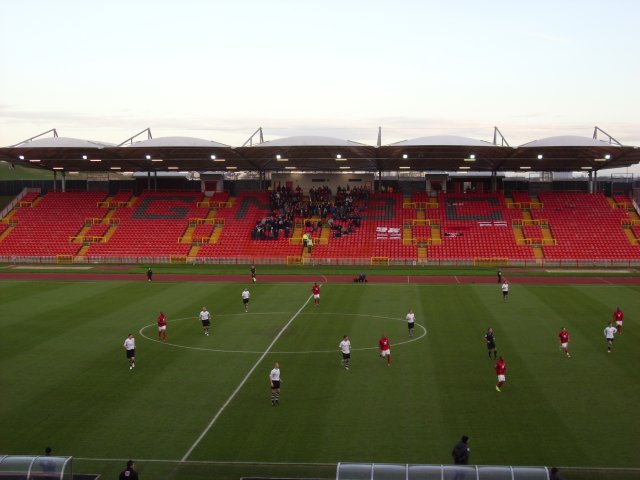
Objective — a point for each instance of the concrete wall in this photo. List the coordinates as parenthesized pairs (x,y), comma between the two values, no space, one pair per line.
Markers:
(332,180)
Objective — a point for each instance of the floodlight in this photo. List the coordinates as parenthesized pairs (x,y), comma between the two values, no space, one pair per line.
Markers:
(540,156)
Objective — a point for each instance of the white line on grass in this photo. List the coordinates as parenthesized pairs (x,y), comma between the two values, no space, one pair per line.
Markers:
(457,279)
(244,380)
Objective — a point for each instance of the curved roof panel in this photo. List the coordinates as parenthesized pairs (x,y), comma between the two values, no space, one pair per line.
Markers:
(63,142)
(567,141)
(175,142)
(310,141)
(443,140)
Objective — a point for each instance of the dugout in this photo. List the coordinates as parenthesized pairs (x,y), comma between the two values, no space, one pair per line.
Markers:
(386,471)
(27,467)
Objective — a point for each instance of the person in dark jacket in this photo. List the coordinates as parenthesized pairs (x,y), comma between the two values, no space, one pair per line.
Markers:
(460,452)
(129,473)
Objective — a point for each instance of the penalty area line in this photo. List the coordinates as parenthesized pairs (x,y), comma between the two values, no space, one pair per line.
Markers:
(244,380)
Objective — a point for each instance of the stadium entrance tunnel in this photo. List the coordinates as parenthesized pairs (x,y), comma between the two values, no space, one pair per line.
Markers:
(387,471)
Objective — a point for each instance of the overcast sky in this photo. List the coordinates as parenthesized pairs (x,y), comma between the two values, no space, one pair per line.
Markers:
(221,69)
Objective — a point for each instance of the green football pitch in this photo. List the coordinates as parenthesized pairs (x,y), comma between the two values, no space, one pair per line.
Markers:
(65,382)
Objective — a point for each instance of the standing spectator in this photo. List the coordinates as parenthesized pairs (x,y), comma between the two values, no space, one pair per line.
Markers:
(499,276)
(618,317)
(149,274)
(564,341)
(130,347)
(129,473)
(609,333)
(385,349)
(205,318)
(501,370)
(47,464)
(274,384)
(345,348)
(305,240)
(460,452)
(505,291)
(253,274)
(315,291)
(491,342)
(162,327)
(245,299)
(309,244)
(411,322)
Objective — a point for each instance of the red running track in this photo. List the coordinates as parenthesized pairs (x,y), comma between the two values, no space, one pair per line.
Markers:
(409,279)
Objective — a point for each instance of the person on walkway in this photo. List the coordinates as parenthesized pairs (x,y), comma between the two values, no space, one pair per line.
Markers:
(129,473)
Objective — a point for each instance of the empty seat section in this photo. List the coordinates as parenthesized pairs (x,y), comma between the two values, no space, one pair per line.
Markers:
(152,226)
(44,228)
(477,226)
(585,227)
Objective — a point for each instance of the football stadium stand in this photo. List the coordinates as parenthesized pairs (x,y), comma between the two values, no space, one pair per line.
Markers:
(354,227)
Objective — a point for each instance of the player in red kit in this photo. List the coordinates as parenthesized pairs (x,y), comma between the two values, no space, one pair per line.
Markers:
(384,348)
(618,316)
(564,341)
(501,370)
(162,327)
(315,290)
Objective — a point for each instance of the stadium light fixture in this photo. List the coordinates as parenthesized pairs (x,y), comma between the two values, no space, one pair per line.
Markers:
(115,168)
(346,167)
(464,168)
(525,168)
(34,160)
(340,159)
(586,168)
(95,160)
(280,159)
(213,157)
(21,157)
(156,160)
(172,168)
(540,156)
(404,167)
(84,157)
(73,173)
(290,168)
(148,157)
(472,158)
(607,157)
(58,168)
(232,168)
(405,156)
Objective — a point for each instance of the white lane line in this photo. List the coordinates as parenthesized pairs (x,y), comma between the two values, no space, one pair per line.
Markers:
(457,279)
(244,380)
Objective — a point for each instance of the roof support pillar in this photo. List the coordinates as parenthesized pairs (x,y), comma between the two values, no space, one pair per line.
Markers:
(64,182)
(379,180)
(494,181)
(591,189)
(55,181)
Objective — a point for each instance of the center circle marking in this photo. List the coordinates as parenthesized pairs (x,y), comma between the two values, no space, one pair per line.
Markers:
(256,352)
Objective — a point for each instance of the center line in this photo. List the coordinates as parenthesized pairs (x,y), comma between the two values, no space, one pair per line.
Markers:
(244,380)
